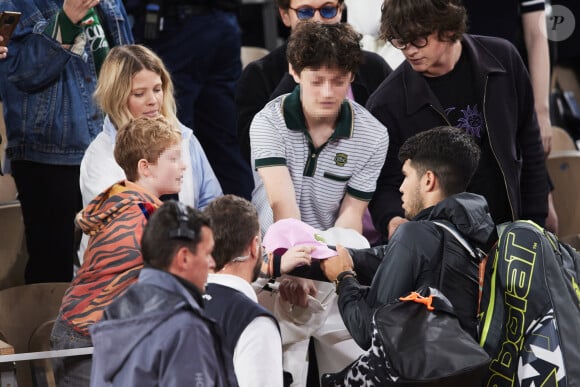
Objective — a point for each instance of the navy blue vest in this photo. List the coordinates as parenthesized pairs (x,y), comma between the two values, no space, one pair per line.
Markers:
(233,311)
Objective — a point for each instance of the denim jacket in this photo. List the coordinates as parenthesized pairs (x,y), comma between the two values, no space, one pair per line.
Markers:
(47,90)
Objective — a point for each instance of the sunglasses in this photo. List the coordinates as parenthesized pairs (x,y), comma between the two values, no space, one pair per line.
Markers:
(326,12)
(401,44)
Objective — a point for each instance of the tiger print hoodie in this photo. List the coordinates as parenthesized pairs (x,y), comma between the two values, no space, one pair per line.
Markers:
(114,220)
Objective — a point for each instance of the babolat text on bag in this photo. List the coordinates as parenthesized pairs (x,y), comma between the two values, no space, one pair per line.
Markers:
(531,309)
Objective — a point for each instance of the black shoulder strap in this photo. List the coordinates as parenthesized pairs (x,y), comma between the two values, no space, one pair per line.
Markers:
(475,253)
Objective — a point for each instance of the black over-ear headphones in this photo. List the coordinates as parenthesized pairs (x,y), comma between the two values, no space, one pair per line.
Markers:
(183,231)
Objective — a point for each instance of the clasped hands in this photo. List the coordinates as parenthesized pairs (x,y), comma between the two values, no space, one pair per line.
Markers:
(296,290)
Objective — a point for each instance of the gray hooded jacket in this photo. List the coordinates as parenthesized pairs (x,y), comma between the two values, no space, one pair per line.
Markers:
(156,334)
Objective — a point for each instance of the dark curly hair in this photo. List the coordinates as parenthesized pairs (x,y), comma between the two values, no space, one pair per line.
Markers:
(412,19)
(316,44)
(449,152)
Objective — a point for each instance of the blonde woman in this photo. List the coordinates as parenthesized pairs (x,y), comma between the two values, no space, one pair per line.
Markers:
(135,83)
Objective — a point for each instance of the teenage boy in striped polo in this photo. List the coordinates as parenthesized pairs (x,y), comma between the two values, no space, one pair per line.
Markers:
(316,153)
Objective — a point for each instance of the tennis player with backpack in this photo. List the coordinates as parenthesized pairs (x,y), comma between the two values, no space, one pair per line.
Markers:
(525,292)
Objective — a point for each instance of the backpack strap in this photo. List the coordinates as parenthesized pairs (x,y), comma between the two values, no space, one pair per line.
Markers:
(475,253)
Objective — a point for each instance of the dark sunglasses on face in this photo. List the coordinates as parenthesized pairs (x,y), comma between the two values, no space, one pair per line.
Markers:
(326,12)
(401,44)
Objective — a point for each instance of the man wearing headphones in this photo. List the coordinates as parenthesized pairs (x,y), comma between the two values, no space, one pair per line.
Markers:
(251,331)
(157,334)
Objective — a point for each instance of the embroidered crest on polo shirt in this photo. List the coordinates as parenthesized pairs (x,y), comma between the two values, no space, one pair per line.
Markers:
(319,238)
(341,159)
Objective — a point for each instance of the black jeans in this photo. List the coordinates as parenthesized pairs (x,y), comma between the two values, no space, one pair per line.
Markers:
(50,198)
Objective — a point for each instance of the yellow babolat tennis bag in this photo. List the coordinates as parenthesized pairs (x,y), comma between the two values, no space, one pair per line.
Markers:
(530,310)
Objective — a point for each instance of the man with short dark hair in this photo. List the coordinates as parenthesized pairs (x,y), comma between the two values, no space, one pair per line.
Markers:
(476,83)
(251,331)
(438,165)
(156,334)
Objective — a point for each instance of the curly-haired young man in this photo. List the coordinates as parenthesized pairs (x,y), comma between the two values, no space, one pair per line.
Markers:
(317,154)
(472,82)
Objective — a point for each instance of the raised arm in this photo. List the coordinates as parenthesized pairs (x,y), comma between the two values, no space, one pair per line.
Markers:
(41,46)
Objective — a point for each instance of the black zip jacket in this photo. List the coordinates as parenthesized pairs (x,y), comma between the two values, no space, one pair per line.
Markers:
(411,260)
(405,104)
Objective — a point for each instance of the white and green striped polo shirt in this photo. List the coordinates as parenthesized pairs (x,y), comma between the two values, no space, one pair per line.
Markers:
(350,161)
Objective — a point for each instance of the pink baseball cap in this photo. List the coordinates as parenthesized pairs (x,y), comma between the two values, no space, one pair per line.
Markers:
(287,233)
